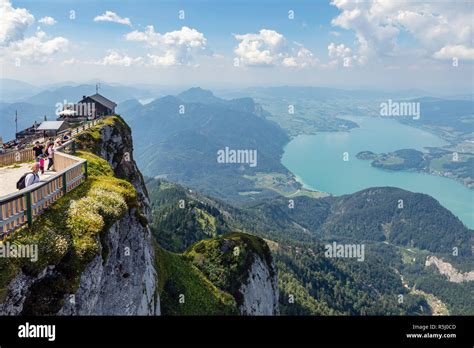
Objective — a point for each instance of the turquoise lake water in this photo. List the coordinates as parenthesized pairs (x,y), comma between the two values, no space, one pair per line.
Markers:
(317,161)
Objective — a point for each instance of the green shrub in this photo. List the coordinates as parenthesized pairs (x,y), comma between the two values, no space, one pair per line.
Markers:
(179,277)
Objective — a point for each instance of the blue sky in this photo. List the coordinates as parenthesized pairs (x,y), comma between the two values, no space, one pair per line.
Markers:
(211,17)
(312,21)
(395,44)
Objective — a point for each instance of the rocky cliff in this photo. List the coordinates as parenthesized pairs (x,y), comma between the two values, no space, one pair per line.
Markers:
(241,265)
(260,292)
(448,270)
(126,283)
(106,269)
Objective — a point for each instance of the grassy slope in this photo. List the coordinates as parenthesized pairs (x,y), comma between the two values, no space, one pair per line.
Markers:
(184,290)
(227,260)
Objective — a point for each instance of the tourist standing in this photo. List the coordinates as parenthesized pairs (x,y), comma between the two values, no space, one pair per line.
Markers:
(50,154)
(38,149)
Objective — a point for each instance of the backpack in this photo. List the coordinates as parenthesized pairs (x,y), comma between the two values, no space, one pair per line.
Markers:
(20,185)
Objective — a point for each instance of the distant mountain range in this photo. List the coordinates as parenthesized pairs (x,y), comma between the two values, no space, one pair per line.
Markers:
(34,103)
(14,90)
(180,137)
(183,146)
(326,93)
(27,115)
(451,114)
(75,93)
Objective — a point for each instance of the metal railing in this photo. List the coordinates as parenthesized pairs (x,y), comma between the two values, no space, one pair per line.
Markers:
(23,206)
(27,155)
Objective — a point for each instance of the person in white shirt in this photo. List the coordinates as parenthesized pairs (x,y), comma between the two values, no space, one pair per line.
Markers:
(50,154)
(33,177)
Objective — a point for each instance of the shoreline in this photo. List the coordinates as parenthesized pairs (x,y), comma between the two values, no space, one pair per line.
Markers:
(466,218)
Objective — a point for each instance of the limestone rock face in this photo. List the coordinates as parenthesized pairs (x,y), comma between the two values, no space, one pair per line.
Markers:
(125,284)
(260,293)
(18,291)
(116,147)
(449,271)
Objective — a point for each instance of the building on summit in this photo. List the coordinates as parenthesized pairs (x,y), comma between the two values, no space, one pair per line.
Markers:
(88,108)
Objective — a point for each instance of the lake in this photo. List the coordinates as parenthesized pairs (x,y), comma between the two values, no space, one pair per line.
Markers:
(317,161)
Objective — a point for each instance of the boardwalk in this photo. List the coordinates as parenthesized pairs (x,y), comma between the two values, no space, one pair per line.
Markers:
(18,208)
(10,175)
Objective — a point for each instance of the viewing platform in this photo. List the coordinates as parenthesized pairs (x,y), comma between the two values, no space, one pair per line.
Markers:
(9,176)
(20,207)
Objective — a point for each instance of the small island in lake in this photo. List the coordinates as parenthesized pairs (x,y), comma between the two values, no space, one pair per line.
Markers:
(437,161)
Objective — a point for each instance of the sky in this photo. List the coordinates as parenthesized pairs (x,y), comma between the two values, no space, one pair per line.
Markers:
(379,44)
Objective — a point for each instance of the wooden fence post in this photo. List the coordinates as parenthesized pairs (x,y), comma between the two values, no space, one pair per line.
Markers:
(29,214)
(64,183)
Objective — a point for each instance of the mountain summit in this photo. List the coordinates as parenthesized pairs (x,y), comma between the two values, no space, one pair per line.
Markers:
(198,95)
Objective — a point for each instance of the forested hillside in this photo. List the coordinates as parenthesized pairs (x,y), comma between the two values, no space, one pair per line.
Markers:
(310,282)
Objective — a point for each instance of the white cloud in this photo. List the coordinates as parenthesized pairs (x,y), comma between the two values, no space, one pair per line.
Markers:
(338,51)
(14,22)
(173,48)
(457,51)
(168,59)
(118,59)
(378,24)
(37,48)
(270,48)
(47,20)
(149,36)
(341,55)
(303,58)
(110,16)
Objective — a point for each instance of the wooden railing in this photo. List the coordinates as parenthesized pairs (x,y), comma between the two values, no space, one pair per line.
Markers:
(27,155)
(23,206)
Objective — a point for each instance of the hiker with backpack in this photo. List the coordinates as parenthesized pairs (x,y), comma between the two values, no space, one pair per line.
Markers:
(29,179)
